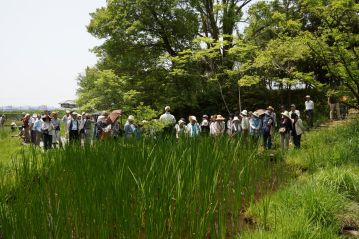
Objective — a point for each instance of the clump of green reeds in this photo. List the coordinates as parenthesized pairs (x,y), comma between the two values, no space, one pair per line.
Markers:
(147,188)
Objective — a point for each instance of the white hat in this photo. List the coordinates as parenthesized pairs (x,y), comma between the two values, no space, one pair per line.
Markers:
(101,118)
(220,117)
(192,117)
(83,113)
(244,112)
(131,118)
(286,114)
(167,108)
(34,115)
(308,96)
(255,114)
(236,118)
(181,122)
(13,124)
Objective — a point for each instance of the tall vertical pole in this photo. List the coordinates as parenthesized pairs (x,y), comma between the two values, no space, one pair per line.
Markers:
(239,98)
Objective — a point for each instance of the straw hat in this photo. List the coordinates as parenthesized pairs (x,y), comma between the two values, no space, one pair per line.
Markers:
(13,124)
(167,108)
(131,118)
(180,122)
(255,114)
(270,108)
(192,117)
(236,118)
(308,96)
(34,115)
(68,112)
(220,117)
(286,114)
(244,112)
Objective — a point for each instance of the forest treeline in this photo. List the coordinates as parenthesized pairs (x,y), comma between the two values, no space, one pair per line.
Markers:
(195,56)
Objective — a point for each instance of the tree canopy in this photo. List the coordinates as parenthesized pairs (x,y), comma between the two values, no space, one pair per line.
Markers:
(192,54)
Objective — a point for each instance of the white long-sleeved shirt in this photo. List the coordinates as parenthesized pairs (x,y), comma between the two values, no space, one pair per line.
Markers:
(168,118)
(46,126)
(217,128)
(193,129)
(245,123)
(309,105)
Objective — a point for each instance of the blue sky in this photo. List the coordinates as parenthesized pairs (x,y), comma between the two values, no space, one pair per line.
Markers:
(44,45)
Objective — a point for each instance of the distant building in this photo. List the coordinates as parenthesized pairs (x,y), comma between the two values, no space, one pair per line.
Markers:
(68,104)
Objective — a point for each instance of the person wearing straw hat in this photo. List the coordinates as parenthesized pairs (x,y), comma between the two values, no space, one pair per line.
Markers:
(46,128)
(56,133)
(229,124)
(205,125)
(285,130)
(218,127)
(193,129)
(13,126)
(297,131)
(130,128)
(73,126)
(65,120)
(267,125)
(235,127)
(26,128)
(255,125)
(180,128)
(245,123)
(38,126)
(32,121)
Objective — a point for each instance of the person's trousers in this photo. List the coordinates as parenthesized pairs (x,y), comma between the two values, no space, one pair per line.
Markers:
(27,135)
(296,141)
(47,141)
(267,140)
(38,138)
(33,136)
(334,107)
(74,136)
(310,115)
(284,141)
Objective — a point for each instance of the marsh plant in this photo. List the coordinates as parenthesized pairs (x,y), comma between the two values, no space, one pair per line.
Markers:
(134,189)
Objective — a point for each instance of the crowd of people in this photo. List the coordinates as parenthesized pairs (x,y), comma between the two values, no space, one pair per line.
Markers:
(85,127)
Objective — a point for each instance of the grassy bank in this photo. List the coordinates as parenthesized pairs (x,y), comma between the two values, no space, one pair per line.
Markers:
(322,199)
(140,189)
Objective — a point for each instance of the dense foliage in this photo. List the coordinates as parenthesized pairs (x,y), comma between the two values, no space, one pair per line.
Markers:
(192,54)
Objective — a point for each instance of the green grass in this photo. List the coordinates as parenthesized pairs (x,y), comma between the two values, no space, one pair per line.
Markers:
(323,195)
(151,189)
(9,146)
